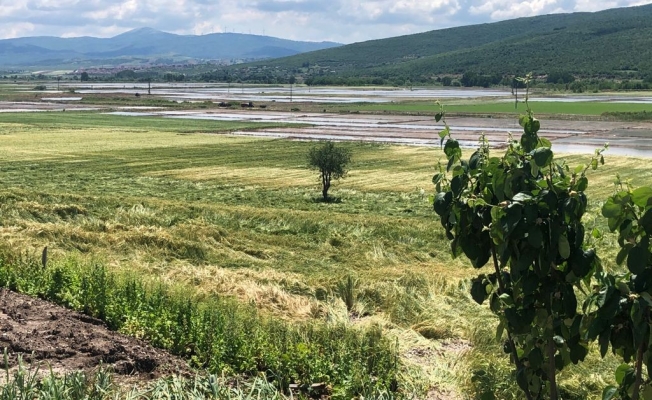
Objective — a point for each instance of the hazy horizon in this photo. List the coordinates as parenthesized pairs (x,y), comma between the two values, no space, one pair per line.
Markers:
(311,20)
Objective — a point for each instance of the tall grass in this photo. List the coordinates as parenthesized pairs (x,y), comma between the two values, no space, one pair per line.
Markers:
(236,216)
(219,335)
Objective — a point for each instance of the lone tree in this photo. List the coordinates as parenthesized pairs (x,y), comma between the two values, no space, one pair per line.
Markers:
(331,161)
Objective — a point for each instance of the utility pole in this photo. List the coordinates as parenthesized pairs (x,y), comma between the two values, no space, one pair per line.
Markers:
(58,79)
(149,85)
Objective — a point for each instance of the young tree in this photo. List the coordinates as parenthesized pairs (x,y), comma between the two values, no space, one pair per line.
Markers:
(331,161)
(521,213)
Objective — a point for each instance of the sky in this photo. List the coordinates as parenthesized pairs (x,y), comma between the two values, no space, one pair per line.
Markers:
(344,21)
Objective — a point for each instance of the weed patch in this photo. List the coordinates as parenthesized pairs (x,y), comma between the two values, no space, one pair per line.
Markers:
(219,335)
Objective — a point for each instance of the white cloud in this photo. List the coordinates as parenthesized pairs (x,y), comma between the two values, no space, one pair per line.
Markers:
(506,9)
(338,20)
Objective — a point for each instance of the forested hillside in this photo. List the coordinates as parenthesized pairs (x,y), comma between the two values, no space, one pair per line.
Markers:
(610,42)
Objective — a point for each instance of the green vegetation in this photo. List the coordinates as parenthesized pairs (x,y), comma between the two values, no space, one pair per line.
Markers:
(233,218)
(621,308)
(331,161)
(90,121)
(26,383)
(523,214)
(628,115)
(219,336)
(612,110)
(614,42)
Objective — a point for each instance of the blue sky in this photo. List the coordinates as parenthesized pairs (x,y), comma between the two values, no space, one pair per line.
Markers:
(343,21)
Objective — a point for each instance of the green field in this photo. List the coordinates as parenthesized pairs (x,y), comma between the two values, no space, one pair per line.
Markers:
(240,217)
(508,107)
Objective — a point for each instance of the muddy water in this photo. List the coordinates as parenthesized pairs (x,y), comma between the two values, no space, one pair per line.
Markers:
(631,139)
(625,138)
(226,92)
(196,92)
(61,98)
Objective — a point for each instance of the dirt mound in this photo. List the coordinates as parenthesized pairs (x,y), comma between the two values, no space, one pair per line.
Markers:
(67,341)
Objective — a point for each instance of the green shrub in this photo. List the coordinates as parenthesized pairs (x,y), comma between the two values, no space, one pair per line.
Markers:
(219,335)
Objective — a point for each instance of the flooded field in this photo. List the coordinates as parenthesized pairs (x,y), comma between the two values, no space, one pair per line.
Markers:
(632,139)
(198,92)
(235,92)
(33,106)
(625,138)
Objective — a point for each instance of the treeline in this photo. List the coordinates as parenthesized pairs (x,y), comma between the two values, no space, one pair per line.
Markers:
(313,75)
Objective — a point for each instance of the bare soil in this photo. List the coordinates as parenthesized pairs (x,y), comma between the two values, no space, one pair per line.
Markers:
(65,341)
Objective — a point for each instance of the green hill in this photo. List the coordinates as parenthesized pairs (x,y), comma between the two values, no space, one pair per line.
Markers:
(602,43)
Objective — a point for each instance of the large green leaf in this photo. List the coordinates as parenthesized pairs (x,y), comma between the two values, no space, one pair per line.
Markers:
(577,353)
(642,281)
(646,221)
(529,141)
(609,393)
(444,133)
(638,314)
(535,357)
(604,342)
(522,197)
(542,156)
(531,126)
(442,202)
(452,149)
(646,392)
(535,237)
(638,259)
(458,183)
(621,372)
(479,290)
(543,142)
(498,184)
(521,379)
(474,161)
(622,255)
(564,247)
(611,209)
(469,246)
(642,196)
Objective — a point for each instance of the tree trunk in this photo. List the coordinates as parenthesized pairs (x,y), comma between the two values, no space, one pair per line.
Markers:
(638,371)
(326,184)
(512,345)
(552,370)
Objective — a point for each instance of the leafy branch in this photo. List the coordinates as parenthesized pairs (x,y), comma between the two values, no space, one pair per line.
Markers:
(523,213)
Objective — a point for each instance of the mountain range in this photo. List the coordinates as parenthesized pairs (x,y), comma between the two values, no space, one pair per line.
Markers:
(615,41)
(149,44)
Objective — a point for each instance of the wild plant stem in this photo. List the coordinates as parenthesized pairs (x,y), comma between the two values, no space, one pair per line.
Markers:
(639,371)
(552,370)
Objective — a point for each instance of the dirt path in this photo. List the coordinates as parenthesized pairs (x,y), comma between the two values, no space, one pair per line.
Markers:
(69,341)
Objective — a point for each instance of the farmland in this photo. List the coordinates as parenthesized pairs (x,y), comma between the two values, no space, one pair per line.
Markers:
(208,215)
(168,228)
(508,107)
